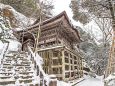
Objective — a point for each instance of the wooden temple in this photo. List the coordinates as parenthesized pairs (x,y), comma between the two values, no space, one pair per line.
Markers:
(57,42)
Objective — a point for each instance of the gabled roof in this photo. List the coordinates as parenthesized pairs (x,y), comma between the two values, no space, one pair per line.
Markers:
(62,17)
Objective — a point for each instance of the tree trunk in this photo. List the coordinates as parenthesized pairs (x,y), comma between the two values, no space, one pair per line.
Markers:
(111,60)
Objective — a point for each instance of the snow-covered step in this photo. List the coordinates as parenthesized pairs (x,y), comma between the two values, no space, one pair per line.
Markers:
(8,60)
(26,80)
(6,64)
(26,77)
(21,65)
(5,77)
(23,59)
(16,67)
(26,73)
(7,82)
(23,52)
(6,73)
(26,62)
(8,67)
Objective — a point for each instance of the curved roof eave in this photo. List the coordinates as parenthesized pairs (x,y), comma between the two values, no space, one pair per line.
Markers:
(53,19)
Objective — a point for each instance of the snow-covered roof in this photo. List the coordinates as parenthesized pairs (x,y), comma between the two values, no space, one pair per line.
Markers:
(62,17)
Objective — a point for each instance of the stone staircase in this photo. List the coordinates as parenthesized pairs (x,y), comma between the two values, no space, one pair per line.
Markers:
(17,70)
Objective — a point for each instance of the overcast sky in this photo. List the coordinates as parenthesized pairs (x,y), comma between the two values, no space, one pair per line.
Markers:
(61,5)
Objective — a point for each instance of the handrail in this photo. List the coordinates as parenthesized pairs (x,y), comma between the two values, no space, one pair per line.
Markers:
(38,61)
(3,52)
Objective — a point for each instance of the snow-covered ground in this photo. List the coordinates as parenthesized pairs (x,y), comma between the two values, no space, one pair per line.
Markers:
(90,81)
(84,81)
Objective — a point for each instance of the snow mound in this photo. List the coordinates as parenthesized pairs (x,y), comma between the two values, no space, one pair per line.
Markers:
(1,46)
(14,45)
(61,83)
(90,81)
(17,18)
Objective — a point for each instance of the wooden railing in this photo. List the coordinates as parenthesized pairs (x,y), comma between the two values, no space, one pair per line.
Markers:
(45,80)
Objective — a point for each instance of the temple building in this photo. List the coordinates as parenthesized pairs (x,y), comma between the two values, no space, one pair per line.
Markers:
(58,45)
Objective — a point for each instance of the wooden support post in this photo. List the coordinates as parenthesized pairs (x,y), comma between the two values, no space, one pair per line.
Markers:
(69,65)
(50,61)
(53,81)
(82,66)
(79,67)
(111,58)
(63,65)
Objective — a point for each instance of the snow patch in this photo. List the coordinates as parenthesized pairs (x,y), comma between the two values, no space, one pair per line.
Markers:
(14,45)
(61,83)
(110,80)
(22,20)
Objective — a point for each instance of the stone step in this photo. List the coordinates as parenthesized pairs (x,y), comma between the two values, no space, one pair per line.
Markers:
(8,67)
(25,62)
(6,73)
(6,64)
(24,59)
(20,57)
(10,55)
(7,82)
(26,80)
(26,77)
(23,52)
(21,65)
(5,77)
(5,70)
(7,60)
(26,73)
(34,84)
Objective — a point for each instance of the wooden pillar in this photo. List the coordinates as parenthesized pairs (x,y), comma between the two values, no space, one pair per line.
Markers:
(57,35)
(82,66)
(53,81)
(78,66)
(69,65)
(63,65)
(74,71)
(50,61)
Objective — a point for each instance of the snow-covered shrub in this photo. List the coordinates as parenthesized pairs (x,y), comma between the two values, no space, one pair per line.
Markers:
(6,35)
(8,41)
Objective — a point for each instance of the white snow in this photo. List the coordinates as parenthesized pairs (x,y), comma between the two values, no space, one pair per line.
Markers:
(39,62)
(111,76)
(14,45)
(2,52)
(91,82)
(61,83)
(1,46)
(110,80)
(21,20)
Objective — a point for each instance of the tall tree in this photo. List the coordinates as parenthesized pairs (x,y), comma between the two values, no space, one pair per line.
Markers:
(87,10)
